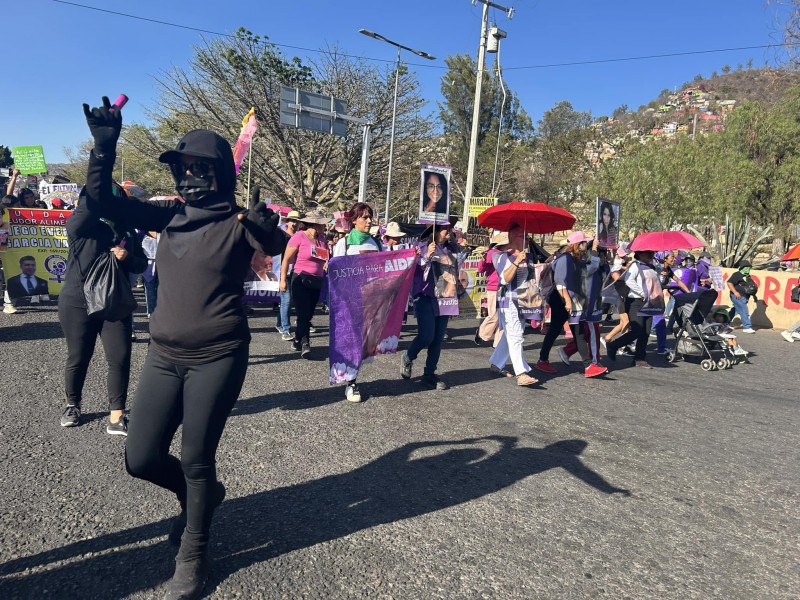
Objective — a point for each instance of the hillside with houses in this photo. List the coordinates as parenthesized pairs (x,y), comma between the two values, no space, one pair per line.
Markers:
(696,108)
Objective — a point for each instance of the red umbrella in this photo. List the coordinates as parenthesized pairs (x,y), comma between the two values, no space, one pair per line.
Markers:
(665,240)
(533,217)
(793,254)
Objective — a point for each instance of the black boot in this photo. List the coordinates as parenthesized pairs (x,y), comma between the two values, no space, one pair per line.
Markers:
(192,568)
(179,522)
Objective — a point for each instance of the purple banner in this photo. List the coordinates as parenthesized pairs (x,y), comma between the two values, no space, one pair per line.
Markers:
(367,295)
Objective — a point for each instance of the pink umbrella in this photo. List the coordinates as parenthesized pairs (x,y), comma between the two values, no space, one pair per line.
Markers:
(281,210)
(533,217)
(664,240)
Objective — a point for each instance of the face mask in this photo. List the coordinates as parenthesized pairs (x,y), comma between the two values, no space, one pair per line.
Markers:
(745,271)
(194,189)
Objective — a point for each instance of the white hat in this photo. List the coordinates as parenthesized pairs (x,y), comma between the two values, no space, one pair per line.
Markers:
(393,230)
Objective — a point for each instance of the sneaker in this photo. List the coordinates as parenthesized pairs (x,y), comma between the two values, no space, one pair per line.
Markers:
(787,336)
(563,356)
(296,344)
(405,366)
(796,335)
(748,330)
(432,381)
(545,367)
(312,329)
(603,343)
(71,417)
(305,349)
(739,351)
(9,309)
(286,336)
(351,393)
(278,329)
(118,428)
(478,340)
(625,351)
(595,370)
(664,351)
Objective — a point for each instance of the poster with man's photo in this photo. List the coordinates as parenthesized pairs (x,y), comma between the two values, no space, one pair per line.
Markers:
(608,223)
(434,194)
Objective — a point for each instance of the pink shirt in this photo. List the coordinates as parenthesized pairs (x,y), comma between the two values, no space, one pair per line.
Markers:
(306,264)
(487,266)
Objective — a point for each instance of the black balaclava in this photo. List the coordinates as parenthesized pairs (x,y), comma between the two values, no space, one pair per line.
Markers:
(205,144)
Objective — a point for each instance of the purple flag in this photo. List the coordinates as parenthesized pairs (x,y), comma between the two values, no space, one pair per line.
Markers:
(367,297)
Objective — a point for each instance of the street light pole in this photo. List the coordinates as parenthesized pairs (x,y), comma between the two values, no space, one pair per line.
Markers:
(391,138)
(419,53)
(476,106)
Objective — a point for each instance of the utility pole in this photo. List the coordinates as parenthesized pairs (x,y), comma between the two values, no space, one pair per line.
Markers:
(476,106)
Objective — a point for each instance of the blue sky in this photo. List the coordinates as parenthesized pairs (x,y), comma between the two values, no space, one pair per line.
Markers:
(61,55)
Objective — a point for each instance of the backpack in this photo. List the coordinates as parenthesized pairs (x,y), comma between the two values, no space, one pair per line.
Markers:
(748,287)
(546,282)
(796,294)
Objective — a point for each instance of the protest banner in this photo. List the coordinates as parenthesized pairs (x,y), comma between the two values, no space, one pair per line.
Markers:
(608,223)
(473,286)
(29,159)
(479,204)
(39,237)
(367,295)
(261,285)
(434,194)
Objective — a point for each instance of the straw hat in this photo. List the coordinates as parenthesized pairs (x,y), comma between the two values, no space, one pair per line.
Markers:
(393,230)
(292,216)
(500,239)
(314,218)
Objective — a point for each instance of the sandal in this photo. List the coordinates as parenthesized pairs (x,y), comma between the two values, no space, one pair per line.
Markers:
(499,371)
(526,379)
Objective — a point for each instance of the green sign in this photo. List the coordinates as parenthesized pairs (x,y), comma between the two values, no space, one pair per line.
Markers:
(29,159)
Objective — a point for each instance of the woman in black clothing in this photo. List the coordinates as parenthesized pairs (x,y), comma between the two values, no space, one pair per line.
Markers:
(199,346)
(89,236)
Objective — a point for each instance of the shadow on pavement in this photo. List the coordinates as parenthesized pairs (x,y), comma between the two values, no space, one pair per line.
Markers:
(415,479)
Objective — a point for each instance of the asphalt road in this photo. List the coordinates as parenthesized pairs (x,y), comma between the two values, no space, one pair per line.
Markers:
(661,483)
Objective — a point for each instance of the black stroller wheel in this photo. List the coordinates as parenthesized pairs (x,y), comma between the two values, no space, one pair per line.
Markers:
(707,364)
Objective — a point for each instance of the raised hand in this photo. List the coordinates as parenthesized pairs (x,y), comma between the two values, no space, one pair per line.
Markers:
(105,126)
(262,223)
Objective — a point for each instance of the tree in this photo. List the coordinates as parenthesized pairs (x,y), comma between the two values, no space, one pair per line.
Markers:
(455,113)
(761,164)
(5,157)
(228,76)
(726,69)
(560,164)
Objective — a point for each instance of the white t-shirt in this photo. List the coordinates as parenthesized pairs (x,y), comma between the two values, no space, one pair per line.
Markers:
(369,246)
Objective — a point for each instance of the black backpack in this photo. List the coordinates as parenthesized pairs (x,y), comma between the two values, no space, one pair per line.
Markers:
(748,287)
(796,294)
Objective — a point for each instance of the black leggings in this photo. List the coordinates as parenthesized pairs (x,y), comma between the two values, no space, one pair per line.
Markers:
(305,301)
(558,316)
(199,396)
(81,332)
(639,329)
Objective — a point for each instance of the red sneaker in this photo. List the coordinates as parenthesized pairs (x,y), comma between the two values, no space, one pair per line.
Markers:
(595,370)
(545,367)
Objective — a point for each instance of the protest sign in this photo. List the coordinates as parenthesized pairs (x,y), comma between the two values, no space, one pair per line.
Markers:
(367,295)
(38,237)
(29,159)
(473,285)
(261,284)
(608,223)
(479,204)
(434,194)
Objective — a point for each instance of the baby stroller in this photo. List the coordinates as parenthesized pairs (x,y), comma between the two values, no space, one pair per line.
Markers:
(695,337)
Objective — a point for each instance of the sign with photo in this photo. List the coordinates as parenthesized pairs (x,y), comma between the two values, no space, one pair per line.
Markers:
(434,194)
(608,223)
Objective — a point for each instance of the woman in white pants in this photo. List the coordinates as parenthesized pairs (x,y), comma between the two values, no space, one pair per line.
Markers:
(515,270)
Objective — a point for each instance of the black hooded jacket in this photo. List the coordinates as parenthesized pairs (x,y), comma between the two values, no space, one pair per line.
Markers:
(203,257)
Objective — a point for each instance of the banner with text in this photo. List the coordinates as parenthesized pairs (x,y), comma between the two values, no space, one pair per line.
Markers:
(367,295)
(35,256)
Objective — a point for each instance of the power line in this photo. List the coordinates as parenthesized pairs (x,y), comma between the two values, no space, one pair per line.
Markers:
(430,66)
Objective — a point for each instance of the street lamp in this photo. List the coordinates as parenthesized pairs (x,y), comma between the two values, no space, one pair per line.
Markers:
(399,47)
